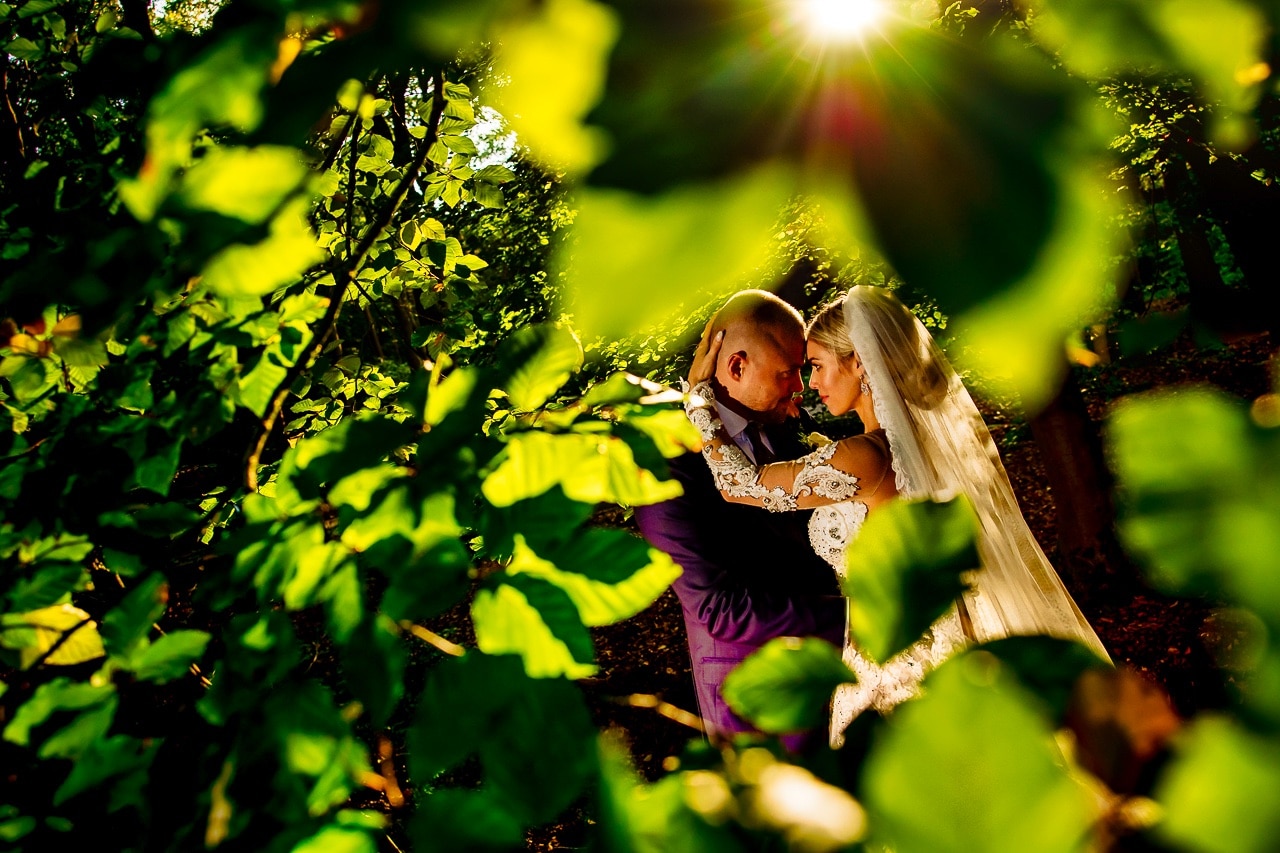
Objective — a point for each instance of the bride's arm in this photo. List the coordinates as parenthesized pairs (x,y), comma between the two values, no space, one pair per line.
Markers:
(820,478)
(828,475)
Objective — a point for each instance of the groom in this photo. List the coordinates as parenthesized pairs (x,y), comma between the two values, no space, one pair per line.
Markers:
(749,575)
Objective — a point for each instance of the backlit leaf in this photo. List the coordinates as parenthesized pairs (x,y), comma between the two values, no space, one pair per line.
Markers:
(244,183)
(649,249)
(557,357)
(169,656)
(606,584)
(1240,811)
(532,618)
(904,571)
(786,685)
(552,61)
(986,765)
(280,259)
(38,631)
(337,839)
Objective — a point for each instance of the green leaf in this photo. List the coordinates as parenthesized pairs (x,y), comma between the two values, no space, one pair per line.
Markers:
(90,725)
(426,522)
(130,621)
(786,685)
(410,234)
(24,49)
(53,579)
(373,660)
(343,598)
(311,569)
(487,706)
(353,445)
(1221,793)
(427,585)
(244,183)
(460,144)
(552,61)
(254,270)
(545,521)
(221,86)
(985,764)
(536,461)
(37,7)
(337,839)
(610,575)
(60,694)
(495,174)
(536,620)
(170,656)
(156,470)
(905,570)
(36,632)
(314,742)
(649,248)
(489,196)
(1199,500)
(590,468)
(444,253)
(558,356)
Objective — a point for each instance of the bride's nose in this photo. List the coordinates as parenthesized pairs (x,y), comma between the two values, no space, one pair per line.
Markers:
(813,380)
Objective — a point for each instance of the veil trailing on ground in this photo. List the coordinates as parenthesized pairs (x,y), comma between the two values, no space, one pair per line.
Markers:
(941,448)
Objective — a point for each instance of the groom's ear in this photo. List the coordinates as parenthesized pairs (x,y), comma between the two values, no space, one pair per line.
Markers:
(736,364)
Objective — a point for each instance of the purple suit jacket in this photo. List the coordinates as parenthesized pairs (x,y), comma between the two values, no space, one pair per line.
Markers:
(750,575)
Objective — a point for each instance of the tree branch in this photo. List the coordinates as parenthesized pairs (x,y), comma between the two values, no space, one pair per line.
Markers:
(344,280)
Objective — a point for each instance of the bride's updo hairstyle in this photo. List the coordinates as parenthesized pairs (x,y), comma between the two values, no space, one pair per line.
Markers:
(922,377)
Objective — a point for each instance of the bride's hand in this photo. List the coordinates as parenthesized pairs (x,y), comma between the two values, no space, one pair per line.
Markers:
(706,355)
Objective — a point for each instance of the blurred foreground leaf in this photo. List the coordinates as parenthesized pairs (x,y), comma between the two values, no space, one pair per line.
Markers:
(636,261)
(786,684)
(969,767)
(551,59)
(904,571)
(1217,43)
(1199,494)
(1221,794)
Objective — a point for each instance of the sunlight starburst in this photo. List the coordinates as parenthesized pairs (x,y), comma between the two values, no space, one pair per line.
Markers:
(840,20)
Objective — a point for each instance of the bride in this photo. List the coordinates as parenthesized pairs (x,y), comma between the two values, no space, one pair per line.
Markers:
(924,439)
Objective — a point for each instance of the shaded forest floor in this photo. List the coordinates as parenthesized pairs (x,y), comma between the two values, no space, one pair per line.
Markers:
(1174,643)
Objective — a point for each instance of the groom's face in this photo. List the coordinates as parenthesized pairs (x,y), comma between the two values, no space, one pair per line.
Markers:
(762,371)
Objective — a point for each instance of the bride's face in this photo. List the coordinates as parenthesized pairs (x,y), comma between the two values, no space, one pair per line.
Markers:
(832,378)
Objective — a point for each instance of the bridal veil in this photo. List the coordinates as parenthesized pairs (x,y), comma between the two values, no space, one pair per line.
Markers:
(942,448)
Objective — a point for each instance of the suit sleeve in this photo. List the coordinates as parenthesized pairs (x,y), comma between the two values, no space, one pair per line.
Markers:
(719,597)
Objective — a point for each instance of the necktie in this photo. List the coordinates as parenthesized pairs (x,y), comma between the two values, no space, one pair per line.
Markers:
(760,450)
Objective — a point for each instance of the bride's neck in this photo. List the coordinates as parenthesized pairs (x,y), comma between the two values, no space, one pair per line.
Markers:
(866,413)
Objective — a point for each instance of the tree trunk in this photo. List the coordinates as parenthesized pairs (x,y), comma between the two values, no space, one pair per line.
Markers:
(1080,482)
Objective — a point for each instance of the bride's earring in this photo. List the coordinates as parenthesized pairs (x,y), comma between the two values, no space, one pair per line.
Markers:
(863,386)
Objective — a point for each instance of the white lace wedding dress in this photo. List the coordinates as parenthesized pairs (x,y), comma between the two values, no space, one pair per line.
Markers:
(879,686)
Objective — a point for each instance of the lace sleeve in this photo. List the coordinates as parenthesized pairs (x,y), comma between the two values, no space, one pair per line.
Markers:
(778,487)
